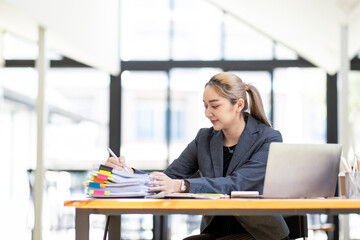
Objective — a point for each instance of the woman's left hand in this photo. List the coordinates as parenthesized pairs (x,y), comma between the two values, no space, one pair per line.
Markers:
(163,184)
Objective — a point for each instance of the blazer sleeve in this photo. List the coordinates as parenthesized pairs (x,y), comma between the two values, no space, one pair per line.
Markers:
(247,175)
(186,164)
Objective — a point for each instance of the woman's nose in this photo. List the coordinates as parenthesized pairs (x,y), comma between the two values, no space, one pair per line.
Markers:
(208,112)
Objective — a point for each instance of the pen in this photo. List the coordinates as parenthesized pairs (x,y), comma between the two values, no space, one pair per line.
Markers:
(114,155)
(345,164)
(354,167)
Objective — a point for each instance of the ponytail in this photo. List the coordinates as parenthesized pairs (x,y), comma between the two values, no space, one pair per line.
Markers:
(256,106)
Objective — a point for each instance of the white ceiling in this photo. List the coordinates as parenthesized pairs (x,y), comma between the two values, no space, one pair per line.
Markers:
(88,30)
(312,28)
(84,30)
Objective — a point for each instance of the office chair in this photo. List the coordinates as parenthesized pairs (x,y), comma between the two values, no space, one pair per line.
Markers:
(297,226)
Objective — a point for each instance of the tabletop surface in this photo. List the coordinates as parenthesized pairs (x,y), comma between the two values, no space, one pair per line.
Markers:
(234,203)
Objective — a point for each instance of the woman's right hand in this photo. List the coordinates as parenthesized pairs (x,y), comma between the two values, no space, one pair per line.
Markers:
(118,164)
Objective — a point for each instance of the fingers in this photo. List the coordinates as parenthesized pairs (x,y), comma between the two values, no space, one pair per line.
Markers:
(157,189)
(157,175)
(160,189)
(123,164)
(112,162)
(121,161)
(157,179)
(162,184)
(157,183)
(116,163)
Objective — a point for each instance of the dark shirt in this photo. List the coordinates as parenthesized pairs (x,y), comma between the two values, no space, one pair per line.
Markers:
(228,153)
(222,226)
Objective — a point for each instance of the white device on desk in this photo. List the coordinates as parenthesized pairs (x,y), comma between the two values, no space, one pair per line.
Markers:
(302,170)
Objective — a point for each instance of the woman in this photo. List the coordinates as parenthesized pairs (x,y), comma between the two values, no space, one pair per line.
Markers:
(230,156)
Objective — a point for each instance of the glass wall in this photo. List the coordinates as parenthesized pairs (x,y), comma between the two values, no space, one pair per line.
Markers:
(196,30)
(186,106)
(145,29)
(162,107)
(78,120)
(18,149)
(354,111)
(144,109)
(300,104)
(76,137)
(354,152)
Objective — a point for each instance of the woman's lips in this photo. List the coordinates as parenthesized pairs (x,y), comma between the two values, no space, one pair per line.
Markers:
(213,121)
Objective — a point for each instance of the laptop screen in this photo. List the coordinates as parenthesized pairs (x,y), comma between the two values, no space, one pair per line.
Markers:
(302,170)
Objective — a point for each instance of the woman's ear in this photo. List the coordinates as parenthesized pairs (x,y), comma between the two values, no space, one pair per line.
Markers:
(240,105)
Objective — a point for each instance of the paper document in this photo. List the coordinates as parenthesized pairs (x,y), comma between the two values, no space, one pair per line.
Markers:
(239,194)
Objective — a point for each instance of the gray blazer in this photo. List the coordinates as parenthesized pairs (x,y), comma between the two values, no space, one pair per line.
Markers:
(245,172)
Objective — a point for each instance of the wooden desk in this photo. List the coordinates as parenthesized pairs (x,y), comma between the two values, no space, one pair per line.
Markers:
(117,207)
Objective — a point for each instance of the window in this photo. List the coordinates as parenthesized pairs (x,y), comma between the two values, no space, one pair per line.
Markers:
(143,122)
(300,104)
(167,100)
(76,137)
(354,152)
(197,28)
(77,134)
(150,119)
(186,90)
(354,111)
(145,30)
(18,146)
(178,124)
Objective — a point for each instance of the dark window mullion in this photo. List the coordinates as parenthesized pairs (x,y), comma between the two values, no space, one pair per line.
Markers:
(168,118)
(272,97)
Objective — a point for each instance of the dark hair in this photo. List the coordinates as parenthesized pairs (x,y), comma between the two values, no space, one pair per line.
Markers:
(230,86)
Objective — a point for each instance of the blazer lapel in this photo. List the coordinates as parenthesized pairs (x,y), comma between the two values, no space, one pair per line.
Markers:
(216,151)
(246,141)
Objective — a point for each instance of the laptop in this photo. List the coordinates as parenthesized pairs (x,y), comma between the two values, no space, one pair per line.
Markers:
(302,170)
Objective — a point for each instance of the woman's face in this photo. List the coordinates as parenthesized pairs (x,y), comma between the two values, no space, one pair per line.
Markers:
(219,110)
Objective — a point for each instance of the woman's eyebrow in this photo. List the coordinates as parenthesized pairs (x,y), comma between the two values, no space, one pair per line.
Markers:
(212,100)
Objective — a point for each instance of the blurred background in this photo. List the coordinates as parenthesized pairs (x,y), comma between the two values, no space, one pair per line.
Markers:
(130,74)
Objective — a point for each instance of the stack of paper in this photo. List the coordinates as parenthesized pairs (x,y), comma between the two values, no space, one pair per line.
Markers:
(105,181)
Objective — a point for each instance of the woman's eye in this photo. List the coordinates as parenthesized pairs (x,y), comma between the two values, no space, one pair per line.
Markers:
(214,107)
